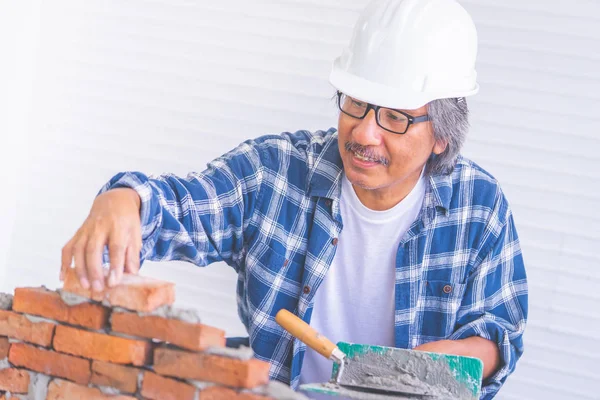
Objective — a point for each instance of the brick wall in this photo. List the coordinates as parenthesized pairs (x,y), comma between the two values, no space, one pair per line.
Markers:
(128,342)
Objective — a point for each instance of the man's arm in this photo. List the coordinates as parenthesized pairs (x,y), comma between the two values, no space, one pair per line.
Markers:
(475,346)
(200,219)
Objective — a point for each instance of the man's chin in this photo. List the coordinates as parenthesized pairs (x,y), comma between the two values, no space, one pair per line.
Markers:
(364,182)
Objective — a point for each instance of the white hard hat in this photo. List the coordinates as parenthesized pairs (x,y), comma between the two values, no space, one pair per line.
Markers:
(405,53)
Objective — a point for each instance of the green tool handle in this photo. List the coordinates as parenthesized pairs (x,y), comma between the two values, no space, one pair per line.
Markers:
(309,336)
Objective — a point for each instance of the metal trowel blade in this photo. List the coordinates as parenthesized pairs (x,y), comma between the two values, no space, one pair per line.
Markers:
(407,391)
(348,392)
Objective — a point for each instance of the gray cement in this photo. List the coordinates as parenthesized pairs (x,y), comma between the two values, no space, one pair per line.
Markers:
(170,312)
(278,391)
(123,335)
(199,384)
(140,379)
(111,391)
(166,311)
(9,395)
(38,388)
(241,353)
(274,389)
(72,299)
(6,301)
(35,319)
(38,385)
(406,371)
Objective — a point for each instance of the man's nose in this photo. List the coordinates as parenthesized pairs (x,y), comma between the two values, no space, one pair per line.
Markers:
(367,132)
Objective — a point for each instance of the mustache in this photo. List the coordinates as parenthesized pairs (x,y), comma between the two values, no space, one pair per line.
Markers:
(367,152)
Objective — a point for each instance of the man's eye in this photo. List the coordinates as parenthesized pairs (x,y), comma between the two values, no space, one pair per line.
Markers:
(357,103)
(394,117)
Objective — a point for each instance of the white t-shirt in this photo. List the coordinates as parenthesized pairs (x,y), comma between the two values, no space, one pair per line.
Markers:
(355,302)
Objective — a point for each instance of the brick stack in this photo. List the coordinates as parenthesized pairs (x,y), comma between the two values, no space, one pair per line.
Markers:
(125,343)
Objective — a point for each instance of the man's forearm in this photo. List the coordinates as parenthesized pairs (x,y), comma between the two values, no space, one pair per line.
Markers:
(475,346)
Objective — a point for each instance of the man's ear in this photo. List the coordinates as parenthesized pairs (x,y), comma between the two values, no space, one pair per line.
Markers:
(439,147)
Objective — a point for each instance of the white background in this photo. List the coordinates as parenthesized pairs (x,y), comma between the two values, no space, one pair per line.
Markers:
(88,89)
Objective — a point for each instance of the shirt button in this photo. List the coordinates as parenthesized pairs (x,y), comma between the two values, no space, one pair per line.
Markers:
(334,241)
(306,290)
(447,289)
(328,203)
(285,263)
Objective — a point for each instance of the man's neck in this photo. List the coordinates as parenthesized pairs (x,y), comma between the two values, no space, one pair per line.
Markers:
(382,199)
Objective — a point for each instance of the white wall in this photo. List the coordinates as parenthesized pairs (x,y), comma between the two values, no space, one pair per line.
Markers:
(163,86)
(19,33)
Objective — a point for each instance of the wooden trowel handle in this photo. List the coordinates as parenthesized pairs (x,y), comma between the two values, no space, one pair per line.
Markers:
(303,332)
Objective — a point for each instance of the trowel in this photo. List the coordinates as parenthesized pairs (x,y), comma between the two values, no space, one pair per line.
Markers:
(367,372)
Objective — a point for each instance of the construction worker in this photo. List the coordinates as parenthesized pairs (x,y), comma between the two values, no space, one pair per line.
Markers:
(376,232)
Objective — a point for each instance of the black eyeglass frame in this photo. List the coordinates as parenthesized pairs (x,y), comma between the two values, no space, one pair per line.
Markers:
(410,118)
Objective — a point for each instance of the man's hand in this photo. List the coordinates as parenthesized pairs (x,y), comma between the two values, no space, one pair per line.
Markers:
(475,346)
(114,220)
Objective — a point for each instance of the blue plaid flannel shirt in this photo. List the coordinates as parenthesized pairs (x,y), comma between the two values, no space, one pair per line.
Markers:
(270,209)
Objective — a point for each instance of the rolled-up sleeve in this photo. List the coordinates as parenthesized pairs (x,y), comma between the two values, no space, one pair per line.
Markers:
(494,305)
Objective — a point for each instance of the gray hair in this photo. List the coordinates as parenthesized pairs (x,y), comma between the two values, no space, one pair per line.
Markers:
(450,121)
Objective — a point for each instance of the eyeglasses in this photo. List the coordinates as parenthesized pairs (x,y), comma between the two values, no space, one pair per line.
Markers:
(391,120)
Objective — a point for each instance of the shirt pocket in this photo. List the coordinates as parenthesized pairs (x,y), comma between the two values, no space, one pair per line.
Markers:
(273,283)
(441,303)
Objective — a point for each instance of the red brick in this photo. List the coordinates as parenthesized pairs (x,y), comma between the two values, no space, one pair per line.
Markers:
(20,327)
(99,346)
(114,375)
(217,393)
(156,387)
(211,368)
(50,362)
(48,304)
(4,345)
(183,334)
(223,393)
(135,292)
(14,380)
(64,390)
(251,396)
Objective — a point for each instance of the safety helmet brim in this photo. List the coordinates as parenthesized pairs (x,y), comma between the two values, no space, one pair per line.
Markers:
(404,97)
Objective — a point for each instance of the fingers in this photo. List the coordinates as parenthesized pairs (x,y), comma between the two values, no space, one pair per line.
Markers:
(124,255)
(117,253)
(79,257)
(132,263)
(66,259)
(87,253)
(93,260)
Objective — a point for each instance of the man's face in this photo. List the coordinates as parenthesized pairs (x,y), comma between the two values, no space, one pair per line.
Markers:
(378,160)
